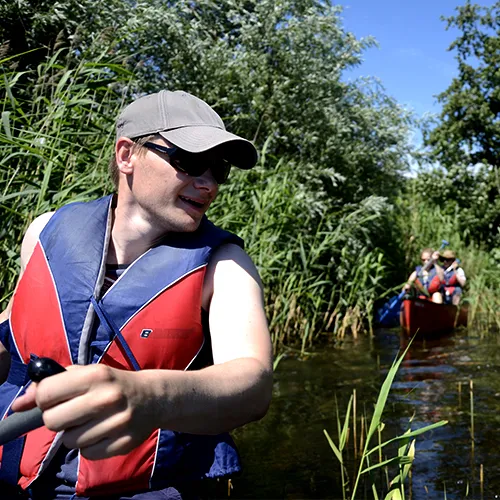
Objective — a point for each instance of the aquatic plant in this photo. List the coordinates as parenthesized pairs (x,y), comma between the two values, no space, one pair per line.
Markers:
(406,444)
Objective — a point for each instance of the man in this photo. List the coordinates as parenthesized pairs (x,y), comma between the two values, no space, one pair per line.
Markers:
(454,278)
(428,276)
(143,291)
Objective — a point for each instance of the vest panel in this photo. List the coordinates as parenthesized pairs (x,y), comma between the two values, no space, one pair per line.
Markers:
(36,296)
(36,446)
(123,472)
(168,332)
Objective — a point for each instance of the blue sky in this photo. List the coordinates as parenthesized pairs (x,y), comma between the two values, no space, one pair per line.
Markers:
(412,60)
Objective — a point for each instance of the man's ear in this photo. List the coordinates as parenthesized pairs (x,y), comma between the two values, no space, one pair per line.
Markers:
(123,154)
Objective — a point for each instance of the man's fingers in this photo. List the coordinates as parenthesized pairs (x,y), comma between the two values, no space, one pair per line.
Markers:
(74,382)
(26,401)
(92,432)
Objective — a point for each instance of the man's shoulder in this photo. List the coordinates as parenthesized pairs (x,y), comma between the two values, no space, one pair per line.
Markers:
(31,236)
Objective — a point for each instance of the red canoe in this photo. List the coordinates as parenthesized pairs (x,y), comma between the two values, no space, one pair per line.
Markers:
(426,318)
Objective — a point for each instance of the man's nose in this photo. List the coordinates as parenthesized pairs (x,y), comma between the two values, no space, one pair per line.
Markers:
(206,181)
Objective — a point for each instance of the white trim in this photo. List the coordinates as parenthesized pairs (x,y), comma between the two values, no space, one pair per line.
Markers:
(83,346)
(155,457)
(199,350)
(54,447)
(10,404)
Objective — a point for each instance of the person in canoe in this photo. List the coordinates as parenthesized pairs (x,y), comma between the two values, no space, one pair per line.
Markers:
(428,277)
(157,314)
(453,278)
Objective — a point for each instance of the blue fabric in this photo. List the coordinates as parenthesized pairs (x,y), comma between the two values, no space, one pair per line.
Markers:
(18,377)
(71,253)
(108,323)
(5,333)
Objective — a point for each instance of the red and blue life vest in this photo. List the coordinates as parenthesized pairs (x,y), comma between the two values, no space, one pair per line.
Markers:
(149,319)
(451,284)
(431,282)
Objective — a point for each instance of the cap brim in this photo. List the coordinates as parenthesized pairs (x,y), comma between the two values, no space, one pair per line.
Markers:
(238,151)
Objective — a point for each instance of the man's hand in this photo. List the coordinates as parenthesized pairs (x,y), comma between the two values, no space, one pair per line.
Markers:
(435,256)
(98,407)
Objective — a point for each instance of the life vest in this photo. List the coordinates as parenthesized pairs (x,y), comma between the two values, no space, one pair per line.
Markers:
(149,319)
(450,285)
(450,277)
(431,281)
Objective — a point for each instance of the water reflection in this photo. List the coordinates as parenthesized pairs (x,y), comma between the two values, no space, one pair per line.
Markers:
(287,456)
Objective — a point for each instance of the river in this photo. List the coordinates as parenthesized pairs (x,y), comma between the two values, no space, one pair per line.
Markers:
(286,455)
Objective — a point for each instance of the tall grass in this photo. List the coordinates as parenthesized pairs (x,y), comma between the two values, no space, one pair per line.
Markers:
(321,273)
(56,136)
(320,261)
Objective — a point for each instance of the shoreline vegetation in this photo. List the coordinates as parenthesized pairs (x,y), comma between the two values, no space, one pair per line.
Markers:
(329,215)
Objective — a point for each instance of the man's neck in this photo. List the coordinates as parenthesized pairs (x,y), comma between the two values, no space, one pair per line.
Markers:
(130,238)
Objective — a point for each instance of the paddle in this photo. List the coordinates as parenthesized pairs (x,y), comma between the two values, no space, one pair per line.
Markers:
(388,315)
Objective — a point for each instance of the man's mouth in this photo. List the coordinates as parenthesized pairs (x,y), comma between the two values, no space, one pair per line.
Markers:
(194,203)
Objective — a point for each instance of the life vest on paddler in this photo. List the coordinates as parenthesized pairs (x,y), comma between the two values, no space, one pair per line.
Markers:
(149,319)
(428,280)
(450,281)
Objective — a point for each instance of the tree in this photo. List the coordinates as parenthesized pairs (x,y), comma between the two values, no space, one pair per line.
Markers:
(468,130)
(272,69)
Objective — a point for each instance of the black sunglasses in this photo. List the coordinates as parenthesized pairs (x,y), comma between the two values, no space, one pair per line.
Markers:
(194,164)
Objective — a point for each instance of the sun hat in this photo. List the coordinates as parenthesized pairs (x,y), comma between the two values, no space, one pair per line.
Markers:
(449,254)
(185,121)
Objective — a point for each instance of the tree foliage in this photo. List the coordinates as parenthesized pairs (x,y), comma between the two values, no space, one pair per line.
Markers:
(465,139)
(468,130)
(314,212)
(272,69)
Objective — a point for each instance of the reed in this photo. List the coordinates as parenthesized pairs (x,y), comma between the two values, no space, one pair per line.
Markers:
(406,445)
(320,264)
(55,141)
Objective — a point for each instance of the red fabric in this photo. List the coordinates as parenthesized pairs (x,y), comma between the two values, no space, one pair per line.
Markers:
(36,297)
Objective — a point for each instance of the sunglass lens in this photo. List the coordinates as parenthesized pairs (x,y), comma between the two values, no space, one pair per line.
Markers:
(220,171)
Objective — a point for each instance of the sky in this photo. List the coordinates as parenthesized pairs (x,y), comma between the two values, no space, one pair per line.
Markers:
(412,60)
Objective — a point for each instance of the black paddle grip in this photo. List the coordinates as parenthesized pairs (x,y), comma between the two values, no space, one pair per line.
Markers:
(17,424)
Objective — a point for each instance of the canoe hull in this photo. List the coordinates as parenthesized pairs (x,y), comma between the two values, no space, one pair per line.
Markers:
(425,318)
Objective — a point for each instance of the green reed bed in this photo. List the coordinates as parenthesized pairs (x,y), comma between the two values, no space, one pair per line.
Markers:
(56,135)
(322,261)
(319,272)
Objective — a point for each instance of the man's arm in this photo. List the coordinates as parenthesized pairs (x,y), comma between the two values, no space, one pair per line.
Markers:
(107,412)
(460,274)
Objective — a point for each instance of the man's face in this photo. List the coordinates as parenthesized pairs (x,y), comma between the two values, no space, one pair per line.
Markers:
(425,257)
(170,199)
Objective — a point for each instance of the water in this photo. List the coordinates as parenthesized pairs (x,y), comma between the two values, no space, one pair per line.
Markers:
(286,455)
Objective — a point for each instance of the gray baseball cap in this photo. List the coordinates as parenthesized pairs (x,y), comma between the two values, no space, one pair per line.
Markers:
(185,121)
